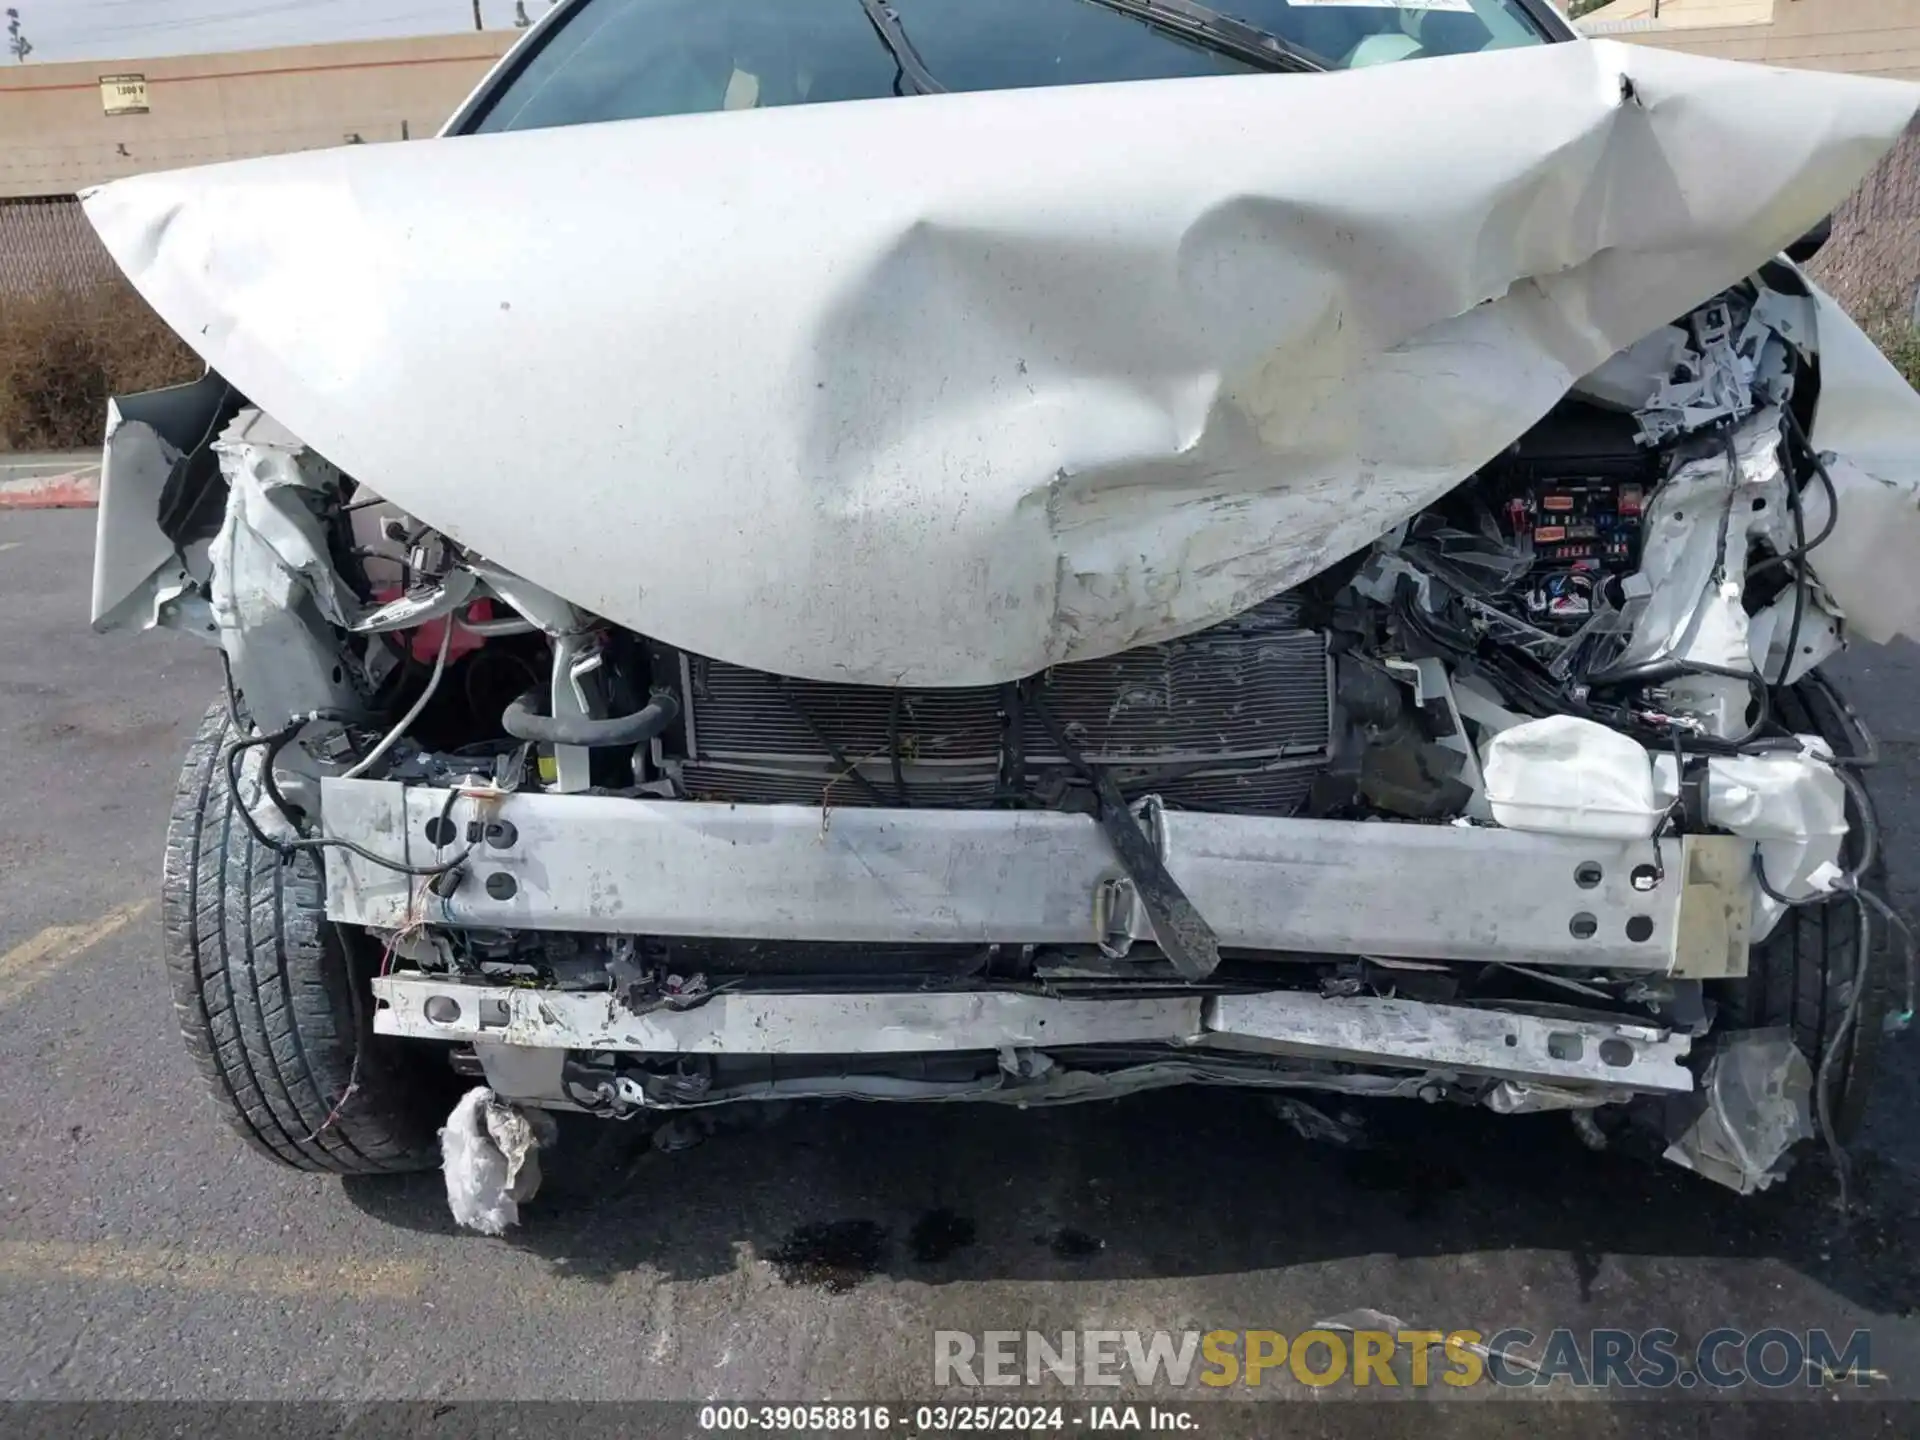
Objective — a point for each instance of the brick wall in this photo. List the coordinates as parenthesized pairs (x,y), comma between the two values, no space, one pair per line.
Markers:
(1872,264)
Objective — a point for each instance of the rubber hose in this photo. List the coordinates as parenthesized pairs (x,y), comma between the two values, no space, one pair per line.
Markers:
(524,721)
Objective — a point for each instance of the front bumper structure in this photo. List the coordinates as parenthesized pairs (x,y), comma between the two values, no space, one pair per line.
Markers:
(613,865)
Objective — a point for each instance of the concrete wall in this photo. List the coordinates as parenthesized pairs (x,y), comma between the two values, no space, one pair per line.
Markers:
(55,137)
(1864,37)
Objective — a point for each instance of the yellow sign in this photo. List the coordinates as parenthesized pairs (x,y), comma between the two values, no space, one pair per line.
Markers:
(123,94)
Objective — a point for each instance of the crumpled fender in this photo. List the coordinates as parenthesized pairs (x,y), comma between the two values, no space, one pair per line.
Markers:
(945,390)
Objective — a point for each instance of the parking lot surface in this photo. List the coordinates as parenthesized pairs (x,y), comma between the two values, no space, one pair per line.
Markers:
(810,1253)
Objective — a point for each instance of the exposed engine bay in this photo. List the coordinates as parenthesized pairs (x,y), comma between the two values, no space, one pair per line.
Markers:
(1491,811)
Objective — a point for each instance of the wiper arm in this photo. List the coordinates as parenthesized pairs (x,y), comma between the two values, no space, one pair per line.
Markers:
(913,70)
(1211,30)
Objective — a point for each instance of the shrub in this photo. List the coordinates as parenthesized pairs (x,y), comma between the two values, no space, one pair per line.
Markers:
(64,351)
(1902,347)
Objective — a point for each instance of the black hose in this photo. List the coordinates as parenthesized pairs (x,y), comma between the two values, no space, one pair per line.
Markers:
(1866,754)
(524,721)
(1799,581)
(286,849)
(1802,548)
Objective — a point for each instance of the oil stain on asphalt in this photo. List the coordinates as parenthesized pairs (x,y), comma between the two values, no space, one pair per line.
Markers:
(833,1256)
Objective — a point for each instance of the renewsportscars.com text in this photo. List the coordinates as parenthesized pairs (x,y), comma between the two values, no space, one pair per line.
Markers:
(1722,1359)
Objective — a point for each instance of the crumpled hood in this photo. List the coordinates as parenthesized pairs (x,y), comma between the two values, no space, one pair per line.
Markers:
(946,390)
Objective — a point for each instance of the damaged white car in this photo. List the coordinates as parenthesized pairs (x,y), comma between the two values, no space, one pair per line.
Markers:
(1025,552)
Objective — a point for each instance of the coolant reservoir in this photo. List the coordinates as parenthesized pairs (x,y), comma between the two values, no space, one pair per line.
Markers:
(1562,775)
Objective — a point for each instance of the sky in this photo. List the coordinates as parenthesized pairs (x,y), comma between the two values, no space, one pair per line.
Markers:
(128,29)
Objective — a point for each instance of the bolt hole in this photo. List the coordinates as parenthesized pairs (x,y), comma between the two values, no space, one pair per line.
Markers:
(1678,517)
(440,831)
(1587,874)
(442,1009)
(1760,502)
(1563,1045)
(502,886)
(1583,926)
(1617,1053)
(1513,1042)
(1639,928)
(1643,877)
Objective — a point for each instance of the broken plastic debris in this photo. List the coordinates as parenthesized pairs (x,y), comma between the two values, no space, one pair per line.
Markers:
(490,1153)
(1716,377)
(1752,1108)
(1310,1122)
(1825,876)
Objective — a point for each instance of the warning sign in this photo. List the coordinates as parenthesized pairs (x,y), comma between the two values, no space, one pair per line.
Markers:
(123,94)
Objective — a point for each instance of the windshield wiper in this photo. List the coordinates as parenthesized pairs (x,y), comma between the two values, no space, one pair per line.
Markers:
(913,70)
(1211,30)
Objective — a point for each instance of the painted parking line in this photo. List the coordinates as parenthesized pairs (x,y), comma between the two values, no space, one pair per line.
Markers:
(31,961)
(227,1273)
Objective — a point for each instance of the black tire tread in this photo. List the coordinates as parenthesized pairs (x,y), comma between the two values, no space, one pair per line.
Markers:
(1802,974)
(262,989)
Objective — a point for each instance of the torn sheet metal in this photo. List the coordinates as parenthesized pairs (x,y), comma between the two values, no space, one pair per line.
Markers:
(273,578)
(943,392)
(140,576)
(1867,428)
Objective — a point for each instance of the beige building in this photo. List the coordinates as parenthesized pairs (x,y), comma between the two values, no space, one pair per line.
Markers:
(1865,37)
(66,126)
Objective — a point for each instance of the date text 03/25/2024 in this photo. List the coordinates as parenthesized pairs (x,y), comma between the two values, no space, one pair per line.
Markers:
(943,1419)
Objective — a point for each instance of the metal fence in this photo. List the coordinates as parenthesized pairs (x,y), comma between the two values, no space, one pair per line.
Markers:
(46,244)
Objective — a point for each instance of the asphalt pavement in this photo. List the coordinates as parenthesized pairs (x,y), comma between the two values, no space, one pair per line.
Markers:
(804,1254)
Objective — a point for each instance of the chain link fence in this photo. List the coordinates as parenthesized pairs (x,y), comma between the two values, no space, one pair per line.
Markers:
(47,244)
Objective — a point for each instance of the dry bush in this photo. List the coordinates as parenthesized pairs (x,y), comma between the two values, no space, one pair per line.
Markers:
(64,351)
(1904,350)
(1898,337)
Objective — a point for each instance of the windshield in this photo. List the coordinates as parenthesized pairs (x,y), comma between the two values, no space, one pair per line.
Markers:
(628,59)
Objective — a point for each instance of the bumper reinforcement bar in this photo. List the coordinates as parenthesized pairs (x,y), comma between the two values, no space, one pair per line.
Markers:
(1361,1029)
(606,864)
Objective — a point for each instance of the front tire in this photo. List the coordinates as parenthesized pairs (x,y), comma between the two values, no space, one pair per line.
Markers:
(1802,975)
(271,996)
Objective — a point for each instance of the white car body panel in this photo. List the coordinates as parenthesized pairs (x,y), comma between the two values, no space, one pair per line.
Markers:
(944,391)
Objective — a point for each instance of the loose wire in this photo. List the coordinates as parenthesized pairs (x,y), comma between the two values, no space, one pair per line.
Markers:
(367,761)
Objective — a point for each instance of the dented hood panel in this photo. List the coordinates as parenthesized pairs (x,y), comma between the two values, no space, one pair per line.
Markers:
(945,390)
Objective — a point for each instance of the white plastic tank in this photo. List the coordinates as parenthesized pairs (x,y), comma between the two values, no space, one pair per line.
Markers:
(1561,775)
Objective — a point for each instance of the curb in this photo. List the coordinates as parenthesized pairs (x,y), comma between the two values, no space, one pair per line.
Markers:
(79,490)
